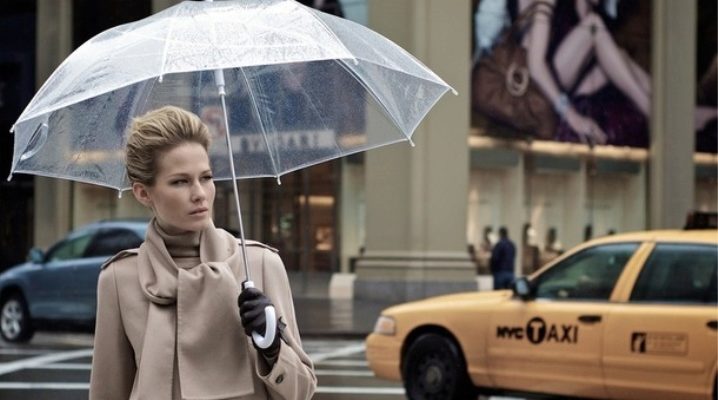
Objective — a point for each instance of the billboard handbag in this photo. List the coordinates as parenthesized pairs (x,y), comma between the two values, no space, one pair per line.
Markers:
(502,88)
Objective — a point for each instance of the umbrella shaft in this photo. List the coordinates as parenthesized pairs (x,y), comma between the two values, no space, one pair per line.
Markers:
(234,185)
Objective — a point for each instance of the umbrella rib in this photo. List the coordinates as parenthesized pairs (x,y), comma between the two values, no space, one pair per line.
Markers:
(261,123)
(316,110)
(330,32)
(167,41)
(381,104)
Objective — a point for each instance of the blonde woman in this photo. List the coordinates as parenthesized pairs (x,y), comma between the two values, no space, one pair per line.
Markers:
(168,323)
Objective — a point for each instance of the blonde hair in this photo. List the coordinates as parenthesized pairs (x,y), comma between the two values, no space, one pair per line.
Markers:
(157,132)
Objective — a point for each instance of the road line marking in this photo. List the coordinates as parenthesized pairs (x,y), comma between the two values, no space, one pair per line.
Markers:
(360,390)
(64,366)
(44,386)
(6,368)
(346,351)
(12,351)
(343,363)
(326,372)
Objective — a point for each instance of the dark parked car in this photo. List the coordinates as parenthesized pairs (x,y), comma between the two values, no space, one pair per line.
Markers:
(58,289)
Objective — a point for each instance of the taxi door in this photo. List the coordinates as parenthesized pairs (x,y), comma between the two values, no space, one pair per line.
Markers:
(663,341)
(553,343)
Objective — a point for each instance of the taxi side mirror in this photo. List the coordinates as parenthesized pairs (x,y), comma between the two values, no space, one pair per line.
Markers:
(522,288)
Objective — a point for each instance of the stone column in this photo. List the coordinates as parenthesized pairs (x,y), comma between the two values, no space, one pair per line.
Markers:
(671,176)
(416,242)
(53,197)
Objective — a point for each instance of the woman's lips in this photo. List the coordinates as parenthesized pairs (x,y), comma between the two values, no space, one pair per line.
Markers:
(199,211)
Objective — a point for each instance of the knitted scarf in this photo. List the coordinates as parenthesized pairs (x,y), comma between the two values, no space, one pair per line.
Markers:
(193,312)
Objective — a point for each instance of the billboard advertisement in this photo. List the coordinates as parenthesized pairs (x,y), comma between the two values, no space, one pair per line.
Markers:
(564,70)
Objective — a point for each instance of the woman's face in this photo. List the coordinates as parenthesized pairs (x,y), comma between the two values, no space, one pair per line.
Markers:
(183,192)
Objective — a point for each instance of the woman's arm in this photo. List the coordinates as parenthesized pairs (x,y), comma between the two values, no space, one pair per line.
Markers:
(292,375)
(113,363)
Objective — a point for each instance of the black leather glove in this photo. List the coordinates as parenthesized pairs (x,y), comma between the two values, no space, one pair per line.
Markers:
(252,303)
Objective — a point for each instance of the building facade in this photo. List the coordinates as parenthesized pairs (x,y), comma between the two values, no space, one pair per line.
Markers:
(402,223)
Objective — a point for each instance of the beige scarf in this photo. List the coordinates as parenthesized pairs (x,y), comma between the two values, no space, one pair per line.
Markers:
(194,311)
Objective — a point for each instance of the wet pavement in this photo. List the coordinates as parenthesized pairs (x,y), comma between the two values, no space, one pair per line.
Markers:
(337,318)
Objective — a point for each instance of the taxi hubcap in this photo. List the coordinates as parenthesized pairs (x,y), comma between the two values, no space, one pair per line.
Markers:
(433,377)
(11,319)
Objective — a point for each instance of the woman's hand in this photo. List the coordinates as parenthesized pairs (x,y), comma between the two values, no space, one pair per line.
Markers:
(252,303)
(587,129)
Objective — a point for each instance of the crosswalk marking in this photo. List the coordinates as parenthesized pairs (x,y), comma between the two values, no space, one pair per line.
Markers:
(44,386)
(343,363)
(324,372)
(64,366)
(13,366)
(360,390)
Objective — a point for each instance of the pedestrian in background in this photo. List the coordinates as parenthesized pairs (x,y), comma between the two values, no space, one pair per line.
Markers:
(503,256)
(168,325)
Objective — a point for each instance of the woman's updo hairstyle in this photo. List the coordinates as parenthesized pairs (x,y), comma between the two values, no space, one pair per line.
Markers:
(156,132)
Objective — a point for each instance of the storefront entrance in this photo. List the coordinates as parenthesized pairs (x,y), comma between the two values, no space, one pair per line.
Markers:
(299,218)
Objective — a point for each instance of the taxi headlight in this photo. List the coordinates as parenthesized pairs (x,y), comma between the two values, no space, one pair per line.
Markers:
(385,326)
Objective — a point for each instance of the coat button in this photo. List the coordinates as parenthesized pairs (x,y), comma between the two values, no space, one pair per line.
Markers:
(279,379)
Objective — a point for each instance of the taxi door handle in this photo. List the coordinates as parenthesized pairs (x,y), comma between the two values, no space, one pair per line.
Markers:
(589,319)
(712,324)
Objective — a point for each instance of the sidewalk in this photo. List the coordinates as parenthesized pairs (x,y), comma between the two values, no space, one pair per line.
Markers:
(319,315)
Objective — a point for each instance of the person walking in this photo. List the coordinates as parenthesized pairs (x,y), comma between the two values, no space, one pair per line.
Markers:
(503,256)
(171,323)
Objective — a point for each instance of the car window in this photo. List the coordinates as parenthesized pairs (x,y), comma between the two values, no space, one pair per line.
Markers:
(111,241)
(679,273)
(587,275)
(70,248)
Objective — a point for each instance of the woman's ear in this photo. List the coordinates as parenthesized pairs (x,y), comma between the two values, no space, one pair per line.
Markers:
(142,194)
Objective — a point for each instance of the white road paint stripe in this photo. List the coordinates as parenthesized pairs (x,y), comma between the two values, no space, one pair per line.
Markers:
(64,366)
(343,363)
(12,351)
(6,368)
(326,372)
(44,386)
(360,390)
(345,351)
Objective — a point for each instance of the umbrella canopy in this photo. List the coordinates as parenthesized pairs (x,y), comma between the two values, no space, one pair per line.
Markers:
(302,87)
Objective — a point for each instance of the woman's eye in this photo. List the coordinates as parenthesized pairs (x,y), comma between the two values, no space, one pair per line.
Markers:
(178,182)
(207,177)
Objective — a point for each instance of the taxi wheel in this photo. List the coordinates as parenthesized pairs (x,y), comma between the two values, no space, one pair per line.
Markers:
(435,370)
(15,325)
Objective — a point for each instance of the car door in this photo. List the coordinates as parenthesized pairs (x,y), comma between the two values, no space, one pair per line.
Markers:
(552,344)
(52,288)
(663,341)
(107,242)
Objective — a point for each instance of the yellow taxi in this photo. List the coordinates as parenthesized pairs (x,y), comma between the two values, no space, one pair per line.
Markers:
(631,316)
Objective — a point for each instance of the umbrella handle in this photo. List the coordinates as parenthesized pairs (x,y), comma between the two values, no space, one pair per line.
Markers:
(270,314)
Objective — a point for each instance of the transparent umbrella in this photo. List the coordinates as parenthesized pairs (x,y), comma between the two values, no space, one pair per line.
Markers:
(282,85)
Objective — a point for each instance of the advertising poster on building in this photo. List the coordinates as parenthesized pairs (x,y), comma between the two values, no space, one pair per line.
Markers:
(706,77)
(563,70)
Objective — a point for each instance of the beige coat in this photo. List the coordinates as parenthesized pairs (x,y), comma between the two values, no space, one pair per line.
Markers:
(118,371)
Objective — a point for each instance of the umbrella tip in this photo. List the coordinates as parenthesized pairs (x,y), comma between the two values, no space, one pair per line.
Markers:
(9,177)
(279,180)
(411,142)
(119,194)
(454,92)
(12,128)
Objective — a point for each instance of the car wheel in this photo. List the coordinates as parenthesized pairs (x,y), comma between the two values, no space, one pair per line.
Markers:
(435,370)
(15,325)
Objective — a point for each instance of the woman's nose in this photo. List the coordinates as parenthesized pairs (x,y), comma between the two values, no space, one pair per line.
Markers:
(198,193)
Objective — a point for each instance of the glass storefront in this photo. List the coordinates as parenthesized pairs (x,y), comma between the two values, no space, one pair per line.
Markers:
(298,217)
